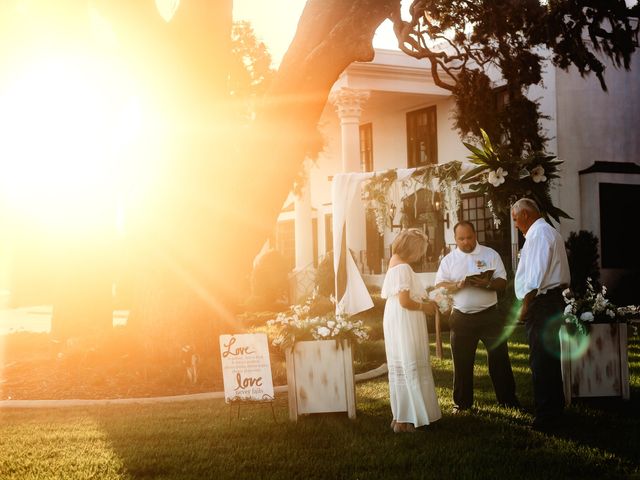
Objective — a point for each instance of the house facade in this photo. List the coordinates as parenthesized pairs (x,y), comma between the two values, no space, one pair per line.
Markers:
(388,114)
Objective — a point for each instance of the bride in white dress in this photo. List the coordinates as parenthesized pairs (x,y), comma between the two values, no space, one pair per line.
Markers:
(414,402)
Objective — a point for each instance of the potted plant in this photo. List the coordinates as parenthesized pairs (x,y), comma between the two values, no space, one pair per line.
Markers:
(317,345)
(593,345)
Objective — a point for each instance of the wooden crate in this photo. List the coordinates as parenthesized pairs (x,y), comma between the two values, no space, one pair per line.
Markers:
(596,366)
(320,378)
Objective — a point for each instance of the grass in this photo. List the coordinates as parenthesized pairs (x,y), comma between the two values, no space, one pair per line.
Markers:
(597,439)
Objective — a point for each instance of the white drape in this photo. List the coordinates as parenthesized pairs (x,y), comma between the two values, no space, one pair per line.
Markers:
(346,189)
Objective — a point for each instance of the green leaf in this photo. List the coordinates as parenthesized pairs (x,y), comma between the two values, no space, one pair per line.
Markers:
(469,176)
(478,152)
(487,142)
(475,160)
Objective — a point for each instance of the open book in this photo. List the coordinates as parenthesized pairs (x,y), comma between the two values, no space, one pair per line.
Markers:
(479,278)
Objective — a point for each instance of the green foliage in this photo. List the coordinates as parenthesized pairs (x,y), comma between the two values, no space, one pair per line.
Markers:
(250,70)
(503,179)
(476,109)
(509,36)
(582,252)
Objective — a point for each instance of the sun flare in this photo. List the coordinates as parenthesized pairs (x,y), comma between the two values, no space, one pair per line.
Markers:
(65,122)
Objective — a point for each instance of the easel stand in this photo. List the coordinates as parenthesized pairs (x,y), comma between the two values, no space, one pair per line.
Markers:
(239,403)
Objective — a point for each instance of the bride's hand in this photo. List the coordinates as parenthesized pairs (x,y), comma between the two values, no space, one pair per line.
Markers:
(429,308)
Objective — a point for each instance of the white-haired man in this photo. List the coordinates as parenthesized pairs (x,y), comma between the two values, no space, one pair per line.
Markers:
(542,274)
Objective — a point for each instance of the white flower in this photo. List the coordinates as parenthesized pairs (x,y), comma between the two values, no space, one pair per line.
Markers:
(568,309)
(324,331)
(586,317)
(599,303)
(441,298)
(611,313)
(497,178)
(331,324)
(537,174)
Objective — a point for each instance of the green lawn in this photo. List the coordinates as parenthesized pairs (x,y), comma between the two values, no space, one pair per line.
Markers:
(198,440)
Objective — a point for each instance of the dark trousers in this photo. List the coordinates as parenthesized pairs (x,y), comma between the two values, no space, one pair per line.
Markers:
(466,330)
(543,320)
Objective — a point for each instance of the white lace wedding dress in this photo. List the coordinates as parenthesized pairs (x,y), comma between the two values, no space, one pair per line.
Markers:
(411,386)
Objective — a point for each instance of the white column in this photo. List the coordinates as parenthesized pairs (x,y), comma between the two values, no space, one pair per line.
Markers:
(303,228)
(349,104)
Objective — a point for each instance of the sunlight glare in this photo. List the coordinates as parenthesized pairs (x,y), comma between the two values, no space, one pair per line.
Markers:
(64,120)
(167,8)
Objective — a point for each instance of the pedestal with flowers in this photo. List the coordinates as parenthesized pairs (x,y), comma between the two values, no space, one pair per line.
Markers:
(593,345)
(319,358)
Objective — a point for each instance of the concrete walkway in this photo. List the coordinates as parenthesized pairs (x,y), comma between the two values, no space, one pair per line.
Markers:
(376,372)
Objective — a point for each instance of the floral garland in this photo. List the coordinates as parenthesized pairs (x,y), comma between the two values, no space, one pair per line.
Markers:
(441,178)
(503,179)
(301,323)
(594,307)
(375,194)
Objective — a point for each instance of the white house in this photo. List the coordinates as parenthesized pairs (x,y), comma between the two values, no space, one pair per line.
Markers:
(389,114)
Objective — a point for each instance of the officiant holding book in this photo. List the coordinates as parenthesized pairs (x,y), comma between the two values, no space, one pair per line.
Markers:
(473,274)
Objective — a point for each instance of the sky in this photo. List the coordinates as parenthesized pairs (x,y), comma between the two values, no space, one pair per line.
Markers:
(275,22)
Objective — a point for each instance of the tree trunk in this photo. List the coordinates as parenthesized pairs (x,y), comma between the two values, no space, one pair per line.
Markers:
(183,65)
(214,191)
(244,181)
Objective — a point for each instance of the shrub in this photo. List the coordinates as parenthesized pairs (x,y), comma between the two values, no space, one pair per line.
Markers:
(582,252)
(325,278)
(269,283)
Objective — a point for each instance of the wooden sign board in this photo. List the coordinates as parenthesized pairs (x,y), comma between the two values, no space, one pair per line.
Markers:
(246,367)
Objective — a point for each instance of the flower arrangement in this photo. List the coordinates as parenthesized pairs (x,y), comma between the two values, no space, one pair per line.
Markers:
(303,322)
(441,297)
(593,307)
(504,179)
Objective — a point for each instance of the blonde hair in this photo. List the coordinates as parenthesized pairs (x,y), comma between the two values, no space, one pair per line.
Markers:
(410,244)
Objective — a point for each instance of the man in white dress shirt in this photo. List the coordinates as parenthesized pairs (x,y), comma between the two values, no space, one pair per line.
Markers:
(541,276)
(475,316)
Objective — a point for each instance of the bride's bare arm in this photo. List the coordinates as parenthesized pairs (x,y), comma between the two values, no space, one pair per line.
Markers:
(407,302)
